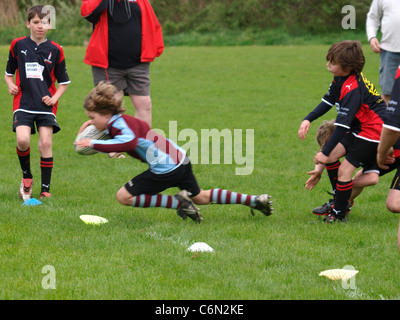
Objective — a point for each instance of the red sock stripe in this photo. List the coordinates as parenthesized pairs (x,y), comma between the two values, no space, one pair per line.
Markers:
(219,195)
(45,164)
(228,197)
(238,198)
(158,201)
(344,186)
(333,166)
(169,202)
(136,201)
(147,201)
(248,200)
(23,153)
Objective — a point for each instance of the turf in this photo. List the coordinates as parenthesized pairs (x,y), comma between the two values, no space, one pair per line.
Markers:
(142,253)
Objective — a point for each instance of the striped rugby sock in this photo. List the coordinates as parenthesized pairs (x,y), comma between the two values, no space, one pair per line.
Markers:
(332,169)
(221,196)
(24,160)
(157,200)
(343,194)
(46,168)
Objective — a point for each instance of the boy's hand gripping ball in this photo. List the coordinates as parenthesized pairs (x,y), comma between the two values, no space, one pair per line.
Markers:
(90,132)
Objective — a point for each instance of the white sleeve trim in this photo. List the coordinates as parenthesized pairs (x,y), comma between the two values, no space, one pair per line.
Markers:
(327,102)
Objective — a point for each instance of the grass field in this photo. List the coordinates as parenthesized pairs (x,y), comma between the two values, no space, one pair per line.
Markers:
(142,253)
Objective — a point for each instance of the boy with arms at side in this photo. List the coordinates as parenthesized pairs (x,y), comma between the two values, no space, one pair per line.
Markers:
(168,163)
(38,63)
(360,111)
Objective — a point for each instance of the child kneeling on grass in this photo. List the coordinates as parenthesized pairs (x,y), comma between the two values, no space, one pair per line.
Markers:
(367,176)
(169,166)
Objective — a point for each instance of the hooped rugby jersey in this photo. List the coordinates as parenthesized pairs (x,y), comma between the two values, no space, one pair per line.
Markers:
(135,137)
(392,120)
(37,68)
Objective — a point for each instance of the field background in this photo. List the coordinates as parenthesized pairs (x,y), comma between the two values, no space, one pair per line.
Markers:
(142,253)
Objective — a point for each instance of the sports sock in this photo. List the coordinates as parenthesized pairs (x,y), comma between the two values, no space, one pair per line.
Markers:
(343,194)
(46,166)
(157,200)
(332,169)
(25,162)
(221,196)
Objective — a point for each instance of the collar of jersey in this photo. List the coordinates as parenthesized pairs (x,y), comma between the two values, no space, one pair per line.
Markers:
(44,41)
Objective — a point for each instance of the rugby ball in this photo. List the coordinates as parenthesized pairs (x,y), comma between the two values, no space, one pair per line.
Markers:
(90,132)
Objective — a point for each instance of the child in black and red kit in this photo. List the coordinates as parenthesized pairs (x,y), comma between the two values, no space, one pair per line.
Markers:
(360,113)
(37,64)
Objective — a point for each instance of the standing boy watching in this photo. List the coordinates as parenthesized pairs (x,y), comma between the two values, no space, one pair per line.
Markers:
(360,111)
(37,63)
(169,166)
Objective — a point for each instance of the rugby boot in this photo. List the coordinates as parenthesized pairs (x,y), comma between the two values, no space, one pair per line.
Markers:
(187,207)
(263,204)
(25,190)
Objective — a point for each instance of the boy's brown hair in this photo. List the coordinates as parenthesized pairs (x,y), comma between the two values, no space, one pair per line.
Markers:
(348,54)
(37,11)
(324,132)
(102,99)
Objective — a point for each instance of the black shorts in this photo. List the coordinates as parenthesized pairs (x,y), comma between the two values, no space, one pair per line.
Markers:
(362,153)
(395,182)
(151,183)
(347,140)
(393,166)
(22,118)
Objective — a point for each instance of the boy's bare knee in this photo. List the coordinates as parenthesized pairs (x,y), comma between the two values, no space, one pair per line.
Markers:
(23,143)
(202,198)
(393,206)
(123,198)
(45,145)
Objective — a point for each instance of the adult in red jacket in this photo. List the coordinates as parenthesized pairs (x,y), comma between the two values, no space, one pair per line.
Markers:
(126,38)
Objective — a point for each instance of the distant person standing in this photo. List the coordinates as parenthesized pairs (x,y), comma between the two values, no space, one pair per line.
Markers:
(126,38)
(385,15)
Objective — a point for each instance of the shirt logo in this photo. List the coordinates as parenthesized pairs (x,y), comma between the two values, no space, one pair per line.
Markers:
(24,52)
(48,60)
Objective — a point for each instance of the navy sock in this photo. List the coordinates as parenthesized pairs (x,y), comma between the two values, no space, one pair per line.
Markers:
(25,162)
(46,166)
(343,194)
(332,169)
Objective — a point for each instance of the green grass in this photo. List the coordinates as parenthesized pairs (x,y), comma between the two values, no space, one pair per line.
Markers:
(141,253)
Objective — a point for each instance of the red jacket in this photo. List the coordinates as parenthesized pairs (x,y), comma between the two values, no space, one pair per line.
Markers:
(97,50)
